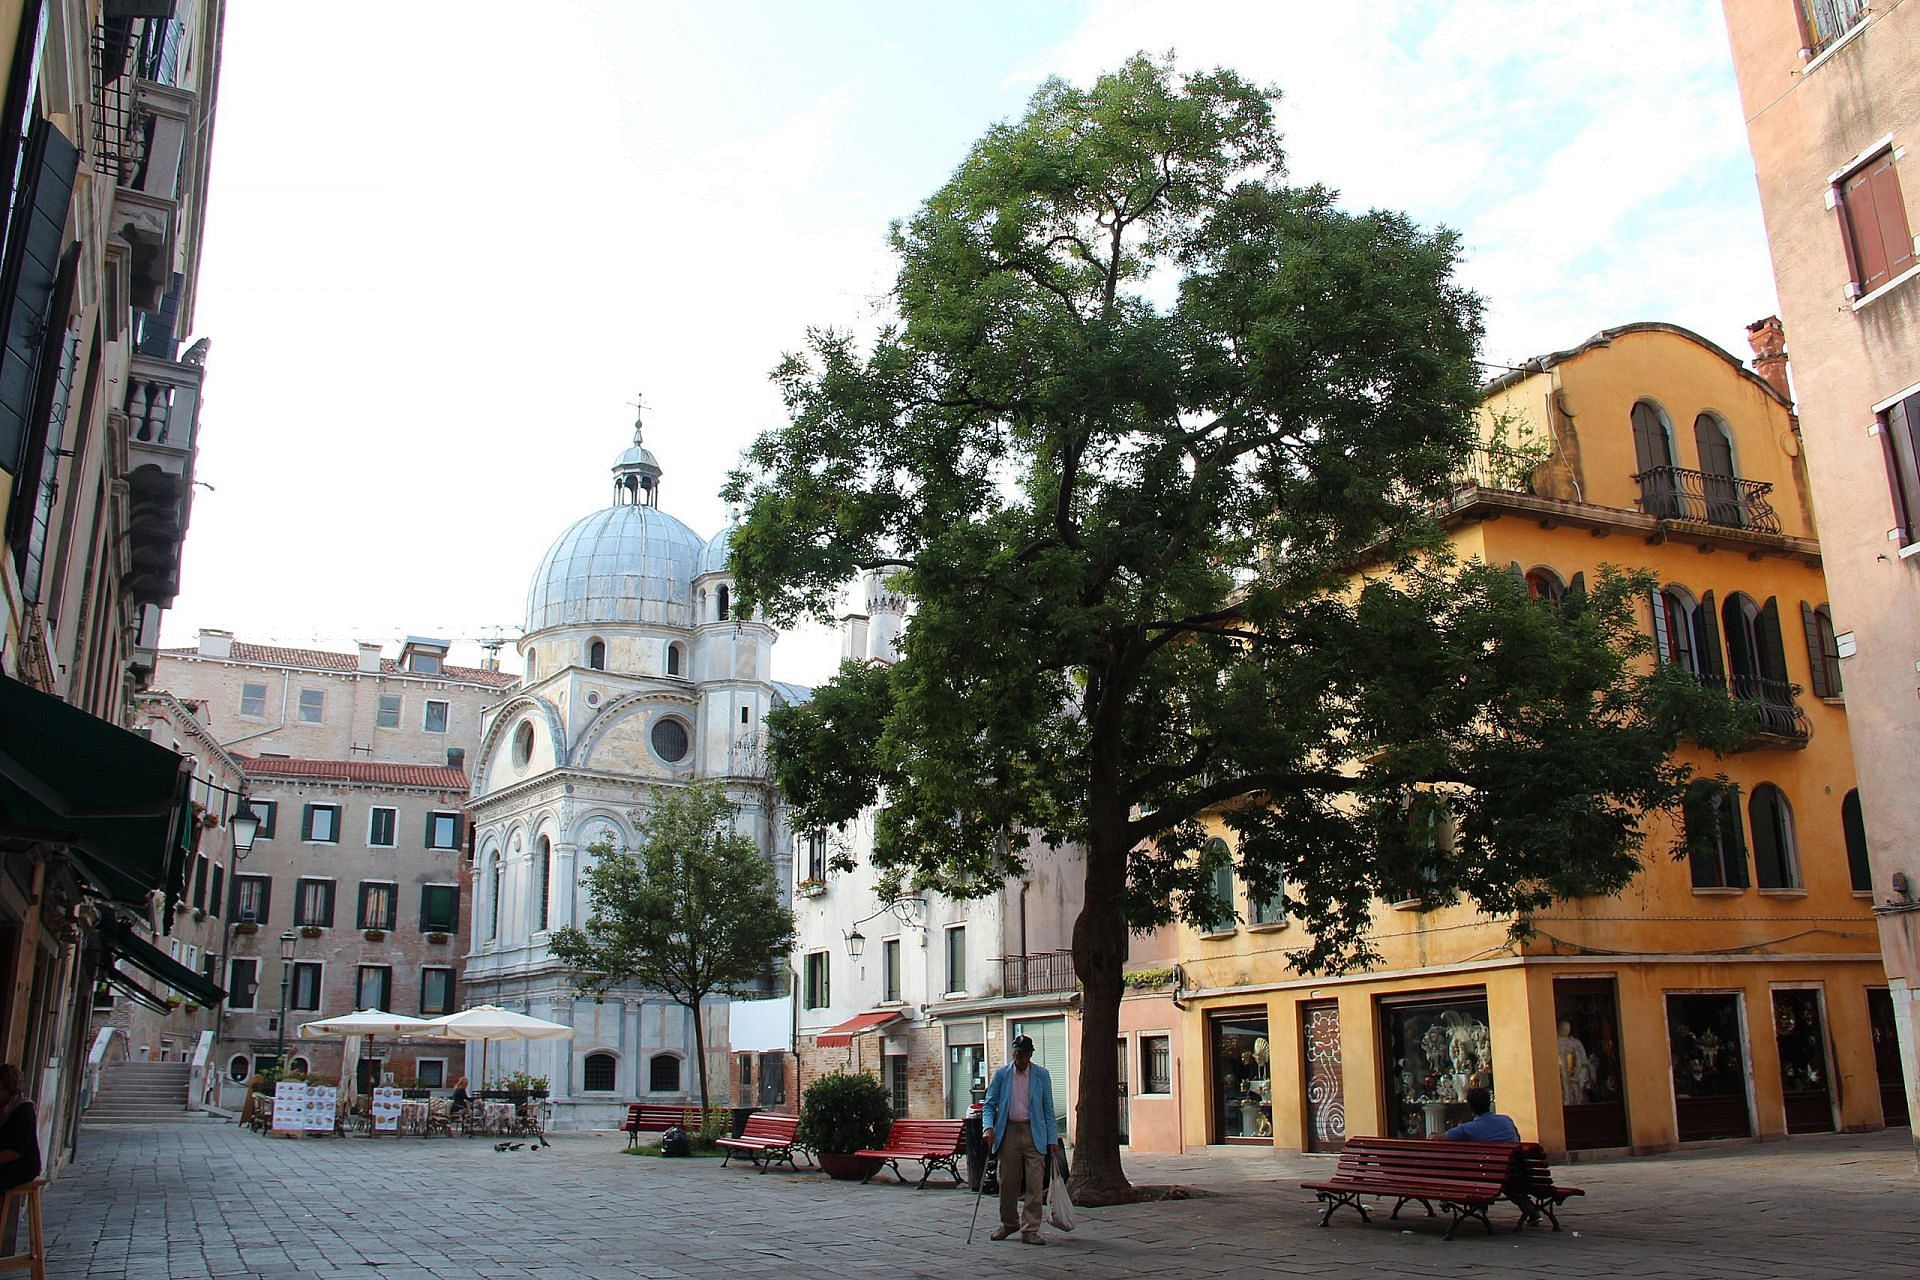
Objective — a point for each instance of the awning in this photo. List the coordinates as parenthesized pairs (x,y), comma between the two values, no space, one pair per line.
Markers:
(858,1025)
(121,943)
(117,802)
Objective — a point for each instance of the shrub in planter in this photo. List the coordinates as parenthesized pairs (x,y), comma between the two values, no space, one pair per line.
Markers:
(843,1113)
(436,936)
(376,935)
(309,930)
(246,926)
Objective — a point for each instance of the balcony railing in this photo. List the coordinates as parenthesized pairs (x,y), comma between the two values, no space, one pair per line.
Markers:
(1033,974)
(1494,467)
(1674,493)
(1777,702)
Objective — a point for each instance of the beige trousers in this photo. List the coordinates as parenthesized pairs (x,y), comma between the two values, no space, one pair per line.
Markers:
(1023,1174)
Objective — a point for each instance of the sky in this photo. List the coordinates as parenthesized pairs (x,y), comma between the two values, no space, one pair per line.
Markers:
(448,245)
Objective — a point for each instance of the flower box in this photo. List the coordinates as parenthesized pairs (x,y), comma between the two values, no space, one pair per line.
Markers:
(310,931)
(376,935)
(810,888)
(246,926)
(436,936)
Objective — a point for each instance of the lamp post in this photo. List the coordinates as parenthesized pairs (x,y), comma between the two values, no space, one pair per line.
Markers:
(288,941)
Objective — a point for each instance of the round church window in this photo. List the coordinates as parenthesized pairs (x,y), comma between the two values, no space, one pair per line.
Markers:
(670,739)
(523,745)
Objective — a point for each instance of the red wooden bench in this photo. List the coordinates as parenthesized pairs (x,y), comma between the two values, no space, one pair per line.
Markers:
(649,1118)
(767,1140)
(936,1144)
(1463,1178)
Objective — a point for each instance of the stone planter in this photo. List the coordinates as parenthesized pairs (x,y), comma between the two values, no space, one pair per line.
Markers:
(847,1168)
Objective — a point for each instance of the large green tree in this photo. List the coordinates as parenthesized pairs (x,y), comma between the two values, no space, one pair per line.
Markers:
(693,912)
(1145,408)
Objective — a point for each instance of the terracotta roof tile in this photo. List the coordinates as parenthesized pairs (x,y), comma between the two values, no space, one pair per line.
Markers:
(397,775)
(325,660)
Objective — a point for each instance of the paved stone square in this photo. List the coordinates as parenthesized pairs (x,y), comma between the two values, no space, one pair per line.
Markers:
(207,1199)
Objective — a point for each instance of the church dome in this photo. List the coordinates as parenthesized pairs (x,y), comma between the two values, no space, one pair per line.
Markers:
(630,562)
(714,558)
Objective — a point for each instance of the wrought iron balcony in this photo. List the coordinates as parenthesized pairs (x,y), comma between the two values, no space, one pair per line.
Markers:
(142,139)
(1675,493)
(162,417)
(1040,972)
(1782,722)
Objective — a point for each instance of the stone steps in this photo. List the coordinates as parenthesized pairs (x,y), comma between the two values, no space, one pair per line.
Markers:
(141,1093)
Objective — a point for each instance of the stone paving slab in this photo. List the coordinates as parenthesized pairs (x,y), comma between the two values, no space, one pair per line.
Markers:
(205,1201)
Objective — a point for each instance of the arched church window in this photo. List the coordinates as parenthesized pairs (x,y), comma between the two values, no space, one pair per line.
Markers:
(663,1073)
(597,655)
(673,659)
(720,598)
(523,744)
(493,897)
(670,740)
(533,665)
(600,1073)
(543,854)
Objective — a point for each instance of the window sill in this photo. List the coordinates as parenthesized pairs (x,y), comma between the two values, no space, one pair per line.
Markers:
(1145,1095)
(1888,287)
(1836,700)
(1218,935)
(1781,893)
(953,995)
(1909,551)
(1840,43)
(1717,891)
(1269,926)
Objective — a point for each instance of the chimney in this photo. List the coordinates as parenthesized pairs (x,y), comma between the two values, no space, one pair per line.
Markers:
(456,758)
(215,644)
(369,657)
(1769,343)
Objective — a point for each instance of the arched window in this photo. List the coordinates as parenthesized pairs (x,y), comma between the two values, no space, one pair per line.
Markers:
(299,1066)
(1716,845)
(543,855)
(1220,881)
(1859,868)
(1686,636)
(1544,584)
(720,602)
(1756,661)
(673,659)
(1715,445)
(597,655)
(1775,864)
(1653,455)
(240,1068)
(663,1073)
(600,1073)
(533,665)
(1823,649)
(493,896)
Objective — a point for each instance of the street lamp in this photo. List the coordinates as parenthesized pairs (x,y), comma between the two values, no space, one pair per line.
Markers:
(288,941)
(856,942)
(901,909)
(245,825)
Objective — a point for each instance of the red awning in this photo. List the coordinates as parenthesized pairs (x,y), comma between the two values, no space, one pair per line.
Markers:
(860,1024)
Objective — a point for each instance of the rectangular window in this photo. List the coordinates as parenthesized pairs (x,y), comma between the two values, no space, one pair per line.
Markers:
(306,986)
(1899,428)
(381,824)
(215,894)
(1156,1064)
(1822,22)
(436,991)
(426,664)
(817,996)
(443,831)
(1224,919)
(200,883)
(376,904)
(1873,224)
(320,823)
(313,903)
(435,720)
(388,716)
(313,706)
(374,989)
(890,968)
(816,855)
(439,908)
(266,811)
(957,960)
(897,1083)
(251,897)
(253,701)
(1268,910)
(243,978)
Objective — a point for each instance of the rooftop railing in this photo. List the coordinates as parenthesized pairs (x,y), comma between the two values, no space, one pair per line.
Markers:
(1675,493)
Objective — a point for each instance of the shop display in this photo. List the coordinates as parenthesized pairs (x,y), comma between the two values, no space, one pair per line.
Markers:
(1800,1033)
(1436,1051)
(1709,1067)
(1242,1077)
(1587,1057)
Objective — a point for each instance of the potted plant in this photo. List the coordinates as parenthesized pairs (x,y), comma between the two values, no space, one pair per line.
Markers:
(246,926)
(436,936)
(309,930)
(376,935)
(811,887)
(843,1113)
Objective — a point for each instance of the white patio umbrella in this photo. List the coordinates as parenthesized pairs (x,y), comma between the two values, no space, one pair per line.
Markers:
(364,1022)
(486,1022)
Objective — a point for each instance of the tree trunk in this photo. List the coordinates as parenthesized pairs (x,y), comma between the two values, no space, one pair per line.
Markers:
(1099,950)
(700,1056)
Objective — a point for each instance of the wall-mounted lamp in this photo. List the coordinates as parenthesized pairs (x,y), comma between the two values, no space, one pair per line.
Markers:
(900,908)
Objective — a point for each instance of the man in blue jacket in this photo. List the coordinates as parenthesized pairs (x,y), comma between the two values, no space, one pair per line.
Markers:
(1017,1122)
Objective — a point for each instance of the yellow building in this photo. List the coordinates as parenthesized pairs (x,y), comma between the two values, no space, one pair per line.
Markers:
(1734,996)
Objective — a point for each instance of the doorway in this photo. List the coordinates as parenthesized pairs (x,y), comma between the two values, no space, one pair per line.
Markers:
(1707,1041)
(1806,1089)
(1120,1057)
(1326,1085)
(1593,1105)
(1886,1057)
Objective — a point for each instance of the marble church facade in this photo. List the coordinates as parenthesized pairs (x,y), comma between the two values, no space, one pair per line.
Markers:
(639,679)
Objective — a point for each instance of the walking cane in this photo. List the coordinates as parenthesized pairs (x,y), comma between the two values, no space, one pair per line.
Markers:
(978,1192)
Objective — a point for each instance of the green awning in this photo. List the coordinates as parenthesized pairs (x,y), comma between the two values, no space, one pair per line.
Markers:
(116,801)
(121,943)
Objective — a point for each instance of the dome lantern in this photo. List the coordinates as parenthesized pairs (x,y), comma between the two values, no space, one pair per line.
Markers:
(636,473)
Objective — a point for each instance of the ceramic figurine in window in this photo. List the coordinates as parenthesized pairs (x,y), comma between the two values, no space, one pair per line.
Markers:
(1576,1068)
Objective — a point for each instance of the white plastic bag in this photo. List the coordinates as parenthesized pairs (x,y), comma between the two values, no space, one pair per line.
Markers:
(1059,1203)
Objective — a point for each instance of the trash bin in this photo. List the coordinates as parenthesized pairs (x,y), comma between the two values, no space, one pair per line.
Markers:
(979,1159)
(740,1115)
(674,1142)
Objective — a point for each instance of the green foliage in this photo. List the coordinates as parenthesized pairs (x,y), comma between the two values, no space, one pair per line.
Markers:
(845,1112)
(1148,979)
(692,912)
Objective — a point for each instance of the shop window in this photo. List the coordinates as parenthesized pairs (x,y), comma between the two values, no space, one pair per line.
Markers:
(1156,1064)
(1241,1059)
(1775,863)
(1436,1049)
(1587,1048)
(1716,844)
(1823,649)
(600,1073)
(1800,1033)
(1050,1051)
(1859,867)
(966,1077)
(1707,1045)
(663,1073)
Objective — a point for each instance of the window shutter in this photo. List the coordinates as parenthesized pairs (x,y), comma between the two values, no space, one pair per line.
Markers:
(1890,209)
(1709,637)
(306,822)
(1650,439)
(426,899)
(30,276)
(1662,638)
(326,902)
(1816,651)
(362,919)
(1772,658)
(37,479)
(1859,866)
(1766,839)
(1738,839)
(216,897)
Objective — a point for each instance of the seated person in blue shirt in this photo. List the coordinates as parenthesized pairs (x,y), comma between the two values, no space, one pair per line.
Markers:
(1489,1125)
